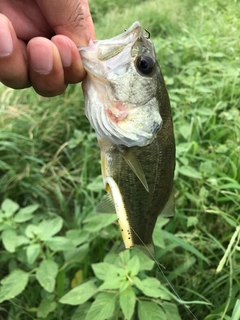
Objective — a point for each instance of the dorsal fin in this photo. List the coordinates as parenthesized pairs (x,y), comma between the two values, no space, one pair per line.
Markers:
(106,205)
(134,164)
(169,209)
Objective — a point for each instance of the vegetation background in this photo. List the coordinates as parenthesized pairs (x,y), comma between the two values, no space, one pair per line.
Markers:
(57,256)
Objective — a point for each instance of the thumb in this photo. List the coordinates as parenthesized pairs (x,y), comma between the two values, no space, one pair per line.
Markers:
(71,18)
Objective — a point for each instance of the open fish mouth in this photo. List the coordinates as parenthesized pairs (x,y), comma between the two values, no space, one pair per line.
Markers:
(109,48)
(120,89)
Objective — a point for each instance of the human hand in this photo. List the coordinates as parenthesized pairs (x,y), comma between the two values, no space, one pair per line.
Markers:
(38,43)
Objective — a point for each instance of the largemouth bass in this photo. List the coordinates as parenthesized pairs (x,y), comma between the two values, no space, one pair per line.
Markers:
(127,104)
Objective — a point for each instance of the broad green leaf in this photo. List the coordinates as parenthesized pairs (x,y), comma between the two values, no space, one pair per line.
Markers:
(185,131)
(124,284)
(103,307)
(151,282)
(32,231)
(182,148)
(158,238)
(157,232)
(80,294)
(222,148)
(13,284)
(192,221)
(104,270)
(113,258)
(161,222)
(76,254)
(77,236)
(9,207)
(49,228)
(150,311)
(171,310)
(9,239)
(145,262)
(133,266)
(151,288)
(190,172)
(25,214)
(46,274)
(124,257)
(185,245)
(59,244)
(22,240)
(96,185)
(98,222)
(111,283)
(45,308)
(33,251)
(236,311)
(81,311)
(127,301)
(138,283)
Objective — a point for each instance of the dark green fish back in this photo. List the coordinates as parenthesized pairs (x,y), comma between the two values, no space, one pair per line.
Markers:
(158,163)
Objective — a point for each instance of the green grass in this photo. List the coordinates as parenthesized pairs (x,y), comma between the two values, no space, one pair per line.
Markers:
(49,156)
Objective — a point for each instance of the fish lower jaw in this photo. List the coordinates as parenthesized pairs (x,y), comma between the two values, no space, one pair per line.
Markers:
(117,136)
(137,141)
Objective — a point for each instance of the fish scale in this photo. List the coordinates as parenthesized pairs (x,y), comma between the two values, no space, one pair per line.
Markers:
(144,207)
(127,103)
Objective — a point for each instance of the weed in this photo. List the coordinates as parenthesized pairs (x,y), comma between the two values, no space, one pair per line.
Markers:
(57,256)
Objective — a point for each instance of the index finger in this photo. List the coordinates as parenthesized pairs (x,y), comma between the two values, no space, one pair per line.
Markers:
(71,18)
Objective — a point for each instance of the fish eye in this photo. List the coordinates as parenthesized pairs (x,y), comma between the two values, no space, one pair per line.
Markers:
(145,64)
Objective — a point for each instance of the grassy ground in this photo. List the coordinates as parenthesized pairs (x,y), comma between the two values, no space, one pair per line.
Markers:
(49,156)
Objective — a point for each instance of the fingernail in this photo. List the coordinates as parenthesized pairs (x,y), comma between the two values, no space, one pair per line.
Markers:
(64,49)
(41,58)
(6,43)
(66,56)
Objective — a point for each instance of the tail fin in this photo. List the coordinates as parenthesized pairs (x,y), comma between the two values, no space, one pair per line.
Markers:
(148,249)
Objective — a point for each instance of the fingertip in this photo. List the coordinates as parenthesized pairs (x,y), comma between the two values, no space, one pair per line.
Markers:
(6,43)
(65,48)
(40,55)
(72,64)
(13,64)
(45,69)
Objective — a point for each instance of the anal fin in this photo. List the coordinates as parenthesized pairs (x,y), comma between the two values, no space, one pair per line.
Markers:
(106,205)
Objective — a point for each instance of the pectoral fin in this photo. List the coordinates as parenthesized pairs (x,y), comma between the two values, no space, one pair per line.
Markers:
(169,209)
(135,165)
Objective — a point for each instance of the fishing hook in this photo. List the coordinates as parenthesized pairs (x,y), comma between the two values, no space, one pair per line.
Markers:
(148,33)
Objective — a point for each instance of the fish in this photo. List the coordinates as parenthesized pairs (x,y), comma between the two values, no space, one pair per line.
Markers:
(127,104)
